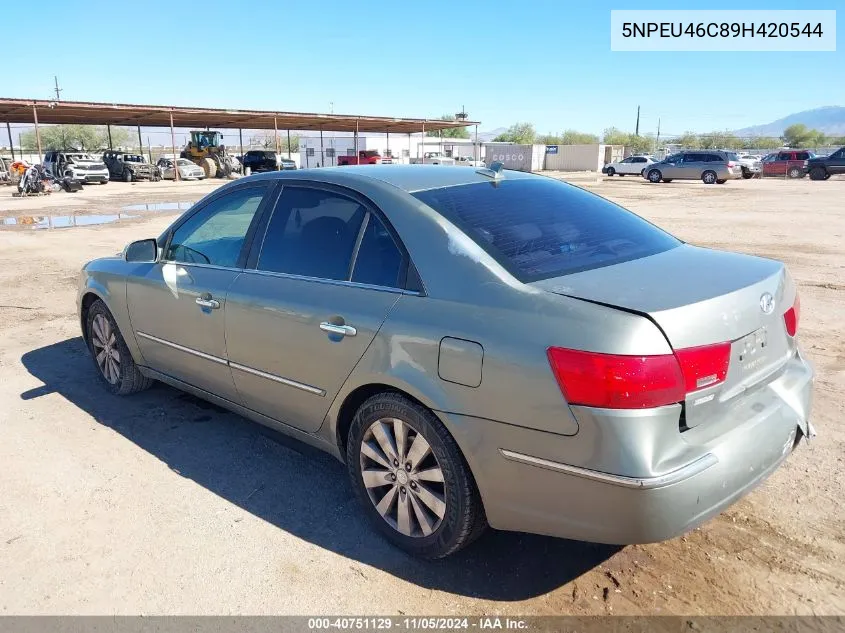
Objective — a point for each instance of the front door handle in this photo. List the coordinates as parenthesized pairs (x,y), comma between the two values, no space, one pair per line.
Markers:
(340,330)
(206,301)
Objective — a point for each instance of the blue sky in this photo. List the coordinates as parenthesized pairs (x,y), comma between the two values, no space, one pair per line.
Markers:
(545,62)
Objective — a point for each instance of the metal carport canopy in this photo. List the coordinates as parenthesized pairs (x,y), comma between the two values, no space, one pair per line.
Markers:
(90,113)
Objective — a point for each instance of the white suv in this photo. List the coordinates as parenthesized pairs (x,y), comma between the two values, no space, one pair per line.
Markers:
(78,166)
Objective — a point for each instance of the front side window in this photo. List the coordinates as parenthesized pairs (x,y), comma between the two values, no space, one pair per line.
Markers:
(312,233)
(542,228)
(215,235)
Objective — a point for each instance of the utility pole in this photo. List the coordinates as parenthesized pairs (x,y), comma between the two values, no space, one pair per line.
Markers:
(58,90)
(657,142)
(637,131)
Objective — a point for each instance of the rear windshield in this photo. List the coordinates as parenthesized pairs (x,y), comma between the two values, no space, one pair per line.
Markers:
(542,228)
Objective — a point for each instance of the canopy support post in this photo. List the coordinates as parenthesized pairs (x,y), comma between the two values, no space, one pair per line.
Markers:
(37,133)
(173,144)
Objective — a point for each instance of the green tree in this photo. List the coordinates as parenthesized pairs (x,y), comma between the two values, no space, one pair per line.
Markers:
(70,137)
(452,132)
(799,135)
(549,139)
(762,142)
(615,136)
(573,137)
(720,140)
(688,140)
(522,133)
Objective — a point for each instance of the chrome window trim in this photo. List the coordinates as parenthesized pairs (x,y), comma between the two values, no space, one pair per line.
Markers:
(182,348)
(333,282)
(285,381)
(644,483)
(209,266)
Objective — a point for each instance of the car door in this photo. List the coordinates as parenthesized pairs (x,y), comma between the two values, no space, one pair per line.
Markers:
(177,305)
(325,277)
(836,162)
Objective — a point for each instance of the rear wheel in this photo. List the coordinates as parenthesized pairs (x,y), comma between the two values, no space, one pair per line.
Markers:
(794,172)
(746,173)
(116,368)
(818,173)
(611,171)
(654,175)
(411,478)
(709,177)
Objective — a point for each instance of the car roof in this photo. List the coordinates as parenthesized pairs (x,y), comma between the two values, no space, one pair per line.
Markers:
(409,178)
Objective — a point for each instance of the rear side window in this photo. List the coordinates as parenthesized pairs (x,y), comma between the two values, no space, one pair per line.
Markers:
(312,233)
(379,261)
(541,228)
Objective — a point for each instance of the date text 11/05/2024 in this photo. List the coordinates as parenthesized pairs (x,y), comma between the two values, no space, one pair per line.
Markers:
(416,623)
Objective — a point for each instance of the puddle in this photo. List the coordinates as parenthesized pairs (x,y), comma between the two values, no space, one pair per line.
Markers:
(62,221)
(159,206)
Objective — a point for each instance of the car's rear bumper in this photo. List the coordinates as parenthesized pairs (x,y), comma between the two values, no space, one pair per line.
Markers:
(634,478)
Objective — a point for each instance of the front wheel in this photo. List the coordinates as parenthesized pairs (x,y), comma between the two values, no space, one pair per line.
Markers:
(610,171)
(114,363)
(411,478)
(127,176)
(654,175)
(818,173)
(708,177)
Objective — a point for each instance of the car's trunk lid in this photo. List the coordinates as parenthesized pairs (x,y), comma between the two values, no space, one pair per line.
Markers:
(701,297)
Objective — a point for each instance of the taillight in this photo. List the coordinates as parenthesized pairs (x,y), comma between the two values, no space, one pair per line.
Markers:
(730,163)
(790,317)
(613,381)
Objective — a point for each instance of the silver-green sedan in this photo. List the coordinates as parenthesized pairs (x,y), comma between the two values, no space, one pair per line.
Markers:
(481,347)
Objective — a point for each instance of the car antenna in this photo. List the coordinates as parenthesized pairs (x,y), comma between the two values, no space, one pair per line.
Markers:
(495,170)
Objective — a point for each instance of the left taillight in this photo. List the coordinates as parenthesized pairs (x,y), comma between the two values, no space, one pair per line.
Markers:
(790,317)
(612,381)
(731,164)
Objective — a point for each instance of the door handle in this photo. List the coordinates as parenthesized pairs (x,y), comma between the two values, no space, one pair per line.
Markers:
(206,301)
(340,330)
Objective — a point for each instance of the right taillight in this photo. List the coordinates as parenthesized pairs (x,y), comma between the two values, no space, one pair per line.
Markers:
(613,381)
(790,317)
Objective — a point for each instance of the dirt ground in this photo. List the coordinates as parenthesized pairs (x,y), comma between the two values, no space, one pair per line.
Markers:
(162,504)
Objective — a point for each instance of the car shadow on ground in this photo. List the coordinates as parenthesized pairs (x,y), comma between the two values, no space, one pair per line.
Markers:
(298,488)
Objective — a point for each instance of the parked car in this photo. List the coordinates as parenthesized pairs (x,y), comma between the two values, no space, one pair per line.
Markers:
(709,166)
(287,163)
(258,160)
(469,161)
(604,395)
(364,157)
(128,167)
(788,162)
(631,165)
(77,166)
(822,168)
(187,169)
(751,165)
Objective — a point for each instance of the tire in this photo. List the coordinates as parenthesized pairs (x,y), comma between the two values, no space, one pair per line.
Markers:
(127,175)
(209,167)
(456,497)
(654,175)
(794,172)
(746,173)
(611,171)
(123,376)
(819,173)
(709,177)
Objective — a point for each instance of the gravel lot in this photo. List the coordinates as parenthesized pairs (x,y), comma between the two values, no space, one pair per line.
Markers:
(163,504)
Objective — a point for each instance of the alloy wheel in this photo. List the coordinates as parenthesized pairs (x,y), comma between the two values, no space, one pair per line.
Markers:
(403,478)
(105,349)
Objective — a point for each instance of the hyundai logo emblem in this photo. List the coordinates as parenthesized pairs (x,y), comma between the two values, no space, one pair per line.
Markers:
(767,303)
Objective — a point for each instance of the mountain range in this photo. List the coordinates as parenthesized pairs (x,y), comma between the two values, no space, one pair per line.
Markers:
(828,119)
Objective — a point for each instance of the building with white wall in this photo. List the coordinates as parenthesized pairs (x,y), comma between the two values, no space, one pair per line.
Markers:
(402,148)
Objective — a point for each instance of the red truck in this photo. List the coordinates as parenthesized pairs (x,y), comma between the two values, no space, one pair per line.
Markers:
(364,157)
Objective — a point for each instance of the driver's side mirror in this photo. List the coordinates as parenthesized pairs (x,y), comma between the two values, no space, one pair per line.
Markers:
(142,251)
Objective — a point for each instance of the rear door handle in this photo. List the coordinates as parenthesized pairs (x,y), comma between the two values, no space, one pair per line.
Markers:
(206,301)
(341,330)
